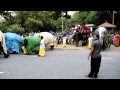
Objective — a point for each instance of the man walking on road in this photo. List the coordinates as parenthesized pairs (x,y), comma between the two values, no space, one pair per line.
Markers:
(95,57)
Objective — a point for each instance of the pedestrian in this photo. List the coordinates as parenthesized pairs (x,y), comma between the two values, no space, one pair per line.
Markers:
(25,46)
(42,47)
(112,38)
(64,41)
(95,57)
(55,41)
(116,43)
(90,39)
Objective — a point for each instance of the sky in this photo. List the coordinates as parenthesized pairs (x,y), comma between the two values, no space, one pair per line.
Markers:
(71,12)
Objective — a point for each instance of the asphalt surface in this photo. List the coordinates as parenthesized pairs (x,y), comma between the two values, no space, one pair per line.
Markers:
(61,63)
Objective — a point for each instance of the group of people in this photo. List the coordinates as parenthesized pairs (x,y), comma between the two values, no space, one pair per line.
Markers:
(64,40)
(116,39)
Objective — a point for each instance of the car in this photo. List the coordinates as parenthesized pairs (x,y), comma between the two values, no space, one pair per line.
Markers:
(59,35)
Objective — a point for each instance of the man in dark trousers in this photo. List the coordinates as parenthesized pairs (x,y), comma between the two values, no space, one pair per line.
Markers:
(95,57)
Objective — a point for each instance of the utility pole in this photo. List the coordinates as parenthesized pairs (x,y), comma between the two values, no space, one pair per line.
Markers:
(113,17)
(62,22)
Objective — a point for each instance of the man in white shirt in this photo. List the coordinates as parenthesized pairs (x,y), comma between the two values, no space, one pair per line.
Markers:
(42,47)
(64,41)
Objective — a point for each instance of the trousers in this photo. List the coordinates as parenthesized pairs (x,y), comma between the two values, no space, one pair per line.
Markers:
(95,66)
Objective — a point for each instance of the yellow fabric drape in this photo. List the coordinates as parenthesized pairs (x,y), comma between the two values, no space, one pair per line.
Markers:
(55,44)
(24,50)
(42,52)
(64,45)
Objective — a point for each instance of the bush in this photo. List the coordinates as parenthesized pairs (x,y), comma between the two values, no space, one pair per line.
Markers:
(15,28)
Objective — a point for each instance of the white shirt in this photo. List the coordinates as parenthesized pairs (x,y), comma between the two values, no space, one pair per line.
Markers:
(90,39)
(55,38)
(42,44)
(64,39)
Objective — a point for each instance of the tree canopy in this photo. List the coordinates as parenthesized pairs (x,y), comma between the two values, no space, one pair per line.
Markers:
(34,21)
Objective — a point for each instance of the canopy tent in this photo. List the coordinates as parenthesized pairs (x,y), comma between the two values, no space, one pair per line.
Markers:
(107,25)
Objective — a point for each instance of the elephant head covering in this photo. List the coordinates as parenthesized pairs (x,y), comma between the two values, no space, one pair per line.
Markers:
(101,31)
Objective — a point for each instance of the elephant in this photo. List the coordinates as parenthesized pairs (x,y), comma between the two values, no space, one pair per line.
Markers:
(48,39)
(3,48)
(104,37)
(80,32)
(12,42)
(32,43)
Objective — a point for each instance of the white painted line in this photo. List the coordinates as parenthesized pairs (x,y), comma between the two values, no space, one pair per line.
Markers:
(1,72)
(30,55)
(34,56)
(107,58)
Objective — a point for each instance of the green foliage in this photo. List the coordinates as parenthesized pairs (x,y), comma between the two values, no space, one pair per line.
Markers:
(106,41)
(3,27)
(83,17)
(33,24)
(15,28)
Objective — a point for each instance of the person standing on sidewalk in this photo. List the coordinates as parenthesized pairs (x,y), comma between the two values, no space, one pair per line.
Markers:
(95,57)
(116,40)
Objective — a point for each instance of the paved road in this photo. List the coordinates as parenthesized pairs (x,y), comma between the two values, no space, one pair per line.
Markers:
(69,63)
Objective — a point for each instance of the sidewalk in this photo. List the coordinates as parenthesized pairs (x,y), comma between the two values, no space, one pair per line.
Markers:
(70,47)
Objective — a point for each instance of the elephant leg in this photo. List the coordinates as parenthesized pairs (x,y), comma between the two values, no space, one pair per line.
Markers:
(52,47)
(2,50)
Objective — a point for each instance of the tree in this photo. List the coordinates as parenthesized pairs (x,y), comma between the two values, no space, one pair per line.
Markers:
(15,28)
(3,27)
(33,25)
(7,16)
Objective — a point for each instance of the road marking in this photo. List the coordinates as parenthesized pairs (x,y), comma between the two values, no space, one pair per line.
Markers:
(107,58)
(34,56)
(1,72)
(30,55)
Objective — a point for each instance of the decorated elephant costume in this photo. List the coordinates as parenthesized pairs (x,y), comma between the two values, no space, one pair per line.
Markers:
(105,37)
(3,45)
(13,42)
(32,43)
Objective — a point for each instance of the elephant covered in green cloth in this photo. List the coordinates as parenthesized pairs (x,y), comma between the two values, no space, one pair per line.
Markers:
(32,44)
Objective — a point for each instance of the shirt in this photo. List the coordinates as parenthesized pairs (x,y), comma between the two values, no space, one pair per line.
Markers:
(97,49)
(55,38)
(90,39)
(42,44)
(64,39)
